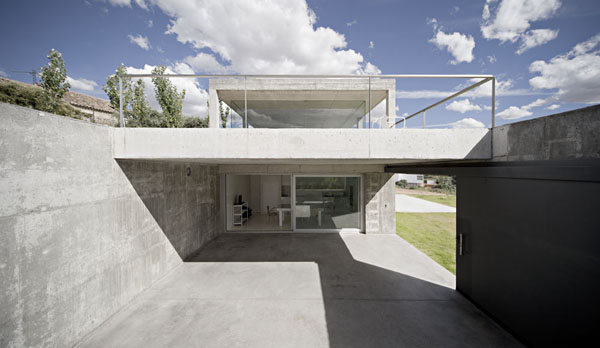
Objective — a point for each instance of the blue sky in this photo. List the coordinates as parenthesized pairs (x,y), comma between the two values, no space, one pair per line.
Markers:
(545,53)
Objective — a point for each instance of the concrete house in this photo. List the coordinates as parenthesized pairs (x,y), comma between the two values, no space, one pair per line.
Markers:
(282,232)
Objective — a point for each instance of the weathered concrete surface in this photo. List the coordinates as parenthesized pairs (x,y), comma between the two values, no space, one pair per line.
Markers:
(408,204)
(367,146)
(77,242)
(303,290)
(379,203)
(568,135)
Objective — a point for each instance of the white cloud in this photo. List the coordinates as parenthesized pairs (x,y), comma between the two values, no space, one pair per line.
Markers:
(454,10)
(262,37)
(536,103)
(371,44)
(511,19)
(194,103)
(459,45)
(534,38)
(82,84)
(3,73)
(553,107)
(206,63)
(121,3)
(467,123)
(575,74)
(349,24)
(514,112)
(463,106)
(127,3)
(503,88)
(150,23)
(140,40)
(491,59)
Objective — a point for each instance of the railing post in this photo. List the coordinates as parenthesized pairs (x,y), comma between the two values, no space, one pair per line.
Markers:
(493,102)
(369,101)
(121,121)
(245,102)
(424,122)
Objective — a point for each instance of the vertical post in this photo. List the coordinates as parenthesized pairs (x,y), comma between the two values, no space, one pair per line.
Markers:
(493,102)
(424,122)
(369,101)
(121,121)
(245,103)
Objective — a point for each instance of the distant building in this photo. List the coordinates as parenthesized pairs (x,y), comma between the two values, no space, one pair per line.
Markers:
(98,110)
(412,180)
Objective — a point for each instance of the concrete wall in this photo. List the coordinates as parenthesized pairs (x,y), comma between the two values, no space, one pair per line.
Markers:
(77,241)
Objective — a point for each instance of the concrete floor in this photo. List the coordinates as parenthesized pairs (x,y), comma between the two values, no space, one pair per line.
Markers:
(302,290)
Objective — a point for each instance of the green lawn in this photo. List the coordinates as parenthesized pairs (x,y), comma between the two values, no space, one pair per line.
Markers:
(445,199)
(432,233)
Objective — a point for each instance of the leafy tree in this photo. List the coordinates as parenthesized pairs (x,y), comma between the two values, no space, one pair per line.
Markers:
(139,106)
(225,111)
(111,88)
(168,98)
(54,76)
(446,183)
(195,122)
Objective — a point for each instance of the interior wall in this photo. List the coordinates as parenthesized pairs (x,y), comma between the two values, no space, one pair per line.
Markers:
(255,189)
(270,187)
(532,255)
(78,242)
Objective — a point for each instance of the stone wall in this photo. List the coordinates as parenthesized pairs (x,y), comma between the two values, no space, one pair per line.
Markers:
(80,234)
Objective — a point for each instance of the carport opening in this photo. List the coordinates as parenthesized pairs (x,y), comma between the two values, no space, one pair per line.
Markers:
(426,215)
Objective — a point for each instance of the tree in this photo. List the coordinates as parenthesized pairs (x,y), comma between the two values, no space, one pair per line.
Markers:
(111,88)
(224,111)
(54,76)
(139,106)
(168,98)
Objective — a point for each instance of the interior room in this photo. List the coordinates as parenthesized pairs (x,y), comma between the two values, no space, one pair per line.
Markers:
(258,202)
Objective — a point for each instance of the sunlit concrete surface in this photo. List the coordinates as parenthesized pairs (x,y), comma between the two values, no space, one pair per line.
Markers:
(408,204)
(302,290)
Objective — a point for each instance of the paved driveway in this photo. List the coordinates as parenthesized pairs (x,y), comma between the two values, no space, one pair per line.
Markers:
(303,290)
(408,204)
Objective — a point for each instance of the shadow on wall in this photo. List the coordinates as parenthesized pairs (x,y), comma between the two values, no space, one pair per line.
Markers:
(366,305)
(182,198)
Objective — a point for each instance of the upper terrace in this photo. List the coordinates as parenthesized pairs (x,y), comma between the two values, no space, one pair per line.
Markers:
(312,119)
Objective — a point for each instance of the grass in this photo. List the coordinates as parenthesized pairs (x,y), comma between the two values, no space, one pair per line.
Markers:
(432,233)
(449,200)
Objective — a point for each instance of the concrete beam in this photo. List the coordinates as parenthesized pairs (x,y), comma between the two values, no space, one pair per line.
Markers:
(382,146)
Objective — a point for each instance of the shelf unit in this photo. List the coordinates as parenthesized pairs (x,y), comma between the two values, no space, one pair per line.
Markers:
(240,214)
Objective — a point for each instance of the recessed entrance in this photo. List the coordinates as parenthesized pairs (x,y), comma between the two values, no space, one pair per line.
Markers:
(304,203)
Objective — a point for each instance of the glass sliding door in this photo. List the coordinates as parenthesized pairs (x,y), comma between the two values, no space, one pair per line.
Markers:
(327,203)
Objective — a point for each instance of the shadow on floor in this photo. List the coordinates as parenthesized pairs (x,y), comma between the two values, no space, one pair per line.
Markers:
(366,305)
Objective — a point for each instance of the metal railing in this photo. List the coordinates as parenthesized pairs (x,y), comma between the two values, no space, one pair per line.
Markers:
(484,79)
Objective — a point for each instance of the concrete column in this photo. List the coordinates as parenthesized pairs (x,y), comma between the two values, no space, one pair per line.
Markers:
(379,203)
(214,118)
(391,107)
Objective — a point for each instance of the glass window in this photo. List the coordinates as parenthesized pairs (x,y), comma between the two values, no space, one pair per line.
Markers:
(327,202)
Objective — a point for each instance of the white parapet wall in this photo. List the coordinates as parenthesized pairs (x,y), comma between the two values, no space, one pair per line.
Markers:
(368,146)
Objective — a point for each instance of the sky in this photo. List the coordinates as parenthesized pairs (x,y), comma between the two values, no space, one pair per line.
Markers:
(545,54)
